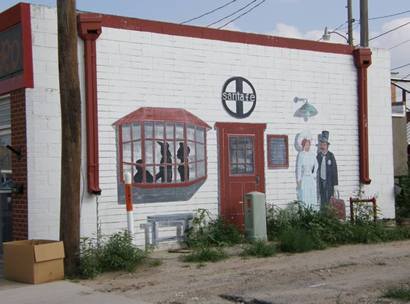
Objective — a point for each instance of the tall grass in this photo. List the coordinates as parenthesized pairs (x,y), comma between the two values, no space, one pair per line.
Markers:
(298,228)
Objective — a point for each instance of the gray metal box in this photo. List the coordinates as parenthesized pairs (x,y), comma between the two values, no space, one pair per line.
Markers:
(255,216)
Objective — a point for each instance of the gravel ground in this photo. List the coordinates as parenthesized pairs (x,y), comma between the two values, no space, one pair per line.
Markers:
(346,274)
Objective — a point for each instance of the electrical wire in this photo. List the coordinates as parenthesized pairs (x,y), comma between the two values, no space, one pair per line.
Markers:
(209,12)
(391,15)
(357,21)
(243,14)
(402,66)
(399,44)
(230,15)
(405,77)
(389,31)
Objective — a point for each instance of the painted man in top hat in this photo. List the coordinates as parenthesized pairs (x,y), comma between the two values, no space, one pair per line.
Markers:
(327,171)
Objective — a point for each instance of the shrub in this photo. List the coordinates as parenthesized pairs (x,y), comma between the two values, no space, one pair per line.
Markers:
(295,239)
(299,228)
(89,259)
(205,254)
(117,252)
(400,293)
(403,198)
(208,232)
(259,249)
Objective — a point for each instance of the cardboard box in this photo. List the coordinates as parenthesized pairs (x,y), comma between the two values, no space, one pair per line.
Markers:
(34,261)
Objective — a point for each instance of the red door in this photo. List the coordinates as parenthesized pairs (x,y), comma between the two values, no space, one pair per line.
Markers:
(241,167)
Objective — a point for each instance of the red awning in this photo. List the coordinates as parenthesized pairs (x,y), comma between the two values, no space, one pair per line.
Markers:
(162,114)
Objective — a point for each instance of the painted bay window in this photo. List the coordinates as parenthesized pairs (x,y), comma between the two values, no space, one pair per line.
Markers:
(162,147)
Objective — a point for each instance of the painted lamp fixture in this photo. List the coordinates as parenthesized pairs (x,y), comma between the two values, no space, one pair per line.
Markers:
(305,111)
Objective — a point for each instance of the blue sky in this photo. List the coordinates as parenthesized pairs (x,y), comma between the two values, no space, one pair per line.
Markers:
(292,18)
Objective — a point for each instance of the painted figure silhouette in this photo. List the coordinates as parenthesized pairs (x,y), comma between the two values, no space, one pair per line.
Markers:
(183,158)
(138,177)
(165,171)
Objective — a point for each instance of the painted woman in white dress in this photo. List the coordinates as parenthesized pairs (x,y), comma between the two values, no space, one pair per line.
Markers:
(306,170)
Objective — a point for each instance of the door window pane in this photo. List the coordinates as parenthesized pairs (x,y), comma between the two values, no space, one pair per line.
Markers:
(241,154)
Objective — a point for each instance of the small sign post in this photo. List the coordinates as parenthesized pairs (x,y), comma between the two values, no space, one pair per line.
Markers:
(128,203)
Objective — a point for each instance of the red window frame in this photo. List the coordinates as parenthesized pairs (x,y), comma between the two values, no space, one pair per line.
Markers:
(154,164)
(285,165)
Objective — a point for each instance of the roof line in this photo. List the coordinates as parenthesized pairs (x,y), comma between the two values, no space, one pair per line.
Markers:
(174,29)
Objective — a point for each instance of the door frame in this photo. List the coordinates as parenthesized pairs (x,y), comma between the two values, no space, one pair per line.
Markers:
(230,128)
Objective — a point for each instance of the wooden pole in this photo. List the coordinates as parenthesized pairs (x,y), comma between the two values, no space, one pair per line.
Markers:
(70,101)
(364,23)
(349,23)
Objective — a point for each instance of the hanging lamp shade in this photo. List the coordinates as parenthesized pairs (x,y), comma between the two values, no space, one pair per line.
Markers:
(306,111)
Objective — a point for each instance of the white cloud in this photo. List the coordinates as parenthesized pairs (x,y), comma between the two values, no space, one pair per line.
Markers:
(399,55)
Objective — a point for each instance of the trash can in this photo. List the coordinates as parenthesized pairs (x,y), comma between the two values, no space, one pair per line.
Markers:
(255,216)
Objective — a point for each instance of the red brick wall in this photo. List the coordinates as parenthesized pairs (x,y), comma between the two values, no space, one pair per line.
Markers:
(19,166)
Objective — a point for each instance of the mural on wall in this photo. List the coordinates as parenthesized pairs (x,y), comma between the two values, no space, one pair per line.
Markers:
(328,177)
(164,149)
(306,170)
(316,167)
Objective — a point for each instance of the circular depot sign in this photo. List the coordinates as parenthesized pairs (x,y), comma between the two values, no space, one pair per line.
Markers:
(238,97)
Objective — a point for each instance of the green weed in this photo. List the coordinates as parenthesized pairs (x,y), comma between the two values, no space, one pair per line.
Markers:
(116,252)
(259,249)
(399,293)
(208,232)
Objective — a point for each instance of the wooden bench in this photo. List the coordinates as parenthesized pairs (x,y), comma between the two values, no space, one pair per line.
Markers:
(180,220)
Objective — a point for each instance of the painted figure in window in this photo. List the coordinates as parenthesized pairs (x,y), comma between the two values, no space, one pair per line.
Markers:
(328,179)
(306,171)
(183,159)
(165,170)
(139,175)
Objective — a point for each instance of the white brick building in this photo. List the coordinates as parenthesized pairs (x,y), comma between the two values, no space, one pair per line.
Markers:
(143,64)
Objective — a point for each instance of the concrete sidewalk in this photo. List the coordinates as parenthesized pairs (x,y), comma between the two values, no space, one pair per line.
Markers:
(61,292)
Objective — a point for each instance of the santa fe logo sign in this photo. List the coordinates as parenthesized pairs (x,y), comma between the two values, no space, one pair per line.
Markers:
(238,97)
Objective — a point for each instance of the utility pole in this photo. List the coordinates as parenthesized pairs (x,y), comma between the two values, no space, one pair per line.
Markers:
(349,23)
(364,23)
(70,102)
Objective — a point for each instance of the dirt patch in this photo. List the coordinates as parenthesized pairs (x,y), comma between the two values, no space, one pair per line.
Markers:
(347,274)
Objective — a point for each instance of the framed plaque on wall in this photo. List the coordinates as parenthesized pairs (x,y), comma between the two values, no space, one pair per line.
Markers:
(278,151)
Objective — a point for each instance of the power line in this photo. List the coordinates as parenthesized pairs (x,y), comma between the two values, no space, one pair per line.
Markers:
(209,12)
(405,77)
(402,66)
(243,14)
(399,44)
(391,15)
(357,21)
(230,15)
(389,31)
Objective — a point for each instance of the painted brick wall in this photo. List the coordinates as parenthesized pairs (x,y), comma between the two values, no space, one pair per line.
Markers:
(137,69)
(43,128)
(19,165)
